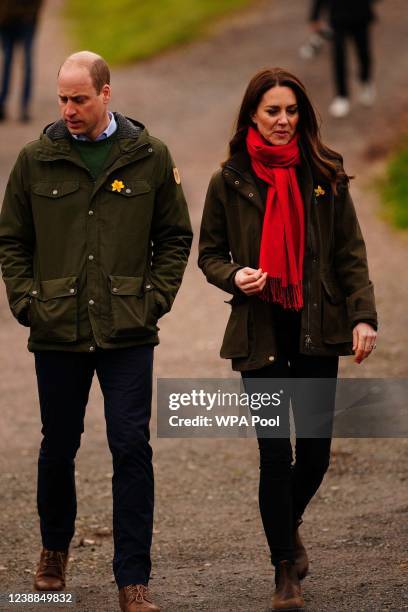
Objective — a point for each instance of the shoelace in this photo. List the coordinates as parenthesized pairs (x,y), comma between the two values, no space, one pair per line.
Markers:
(137,592)
(54,558)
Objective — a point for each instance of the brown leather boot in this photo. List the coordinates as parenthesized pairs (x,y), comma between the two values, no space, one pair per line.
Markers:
(288,595)
(301,558)
(50,574)
(136,598)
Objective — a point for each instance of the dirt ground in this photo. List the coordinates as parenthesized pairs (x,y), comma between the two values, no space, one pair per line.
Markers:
(209,552)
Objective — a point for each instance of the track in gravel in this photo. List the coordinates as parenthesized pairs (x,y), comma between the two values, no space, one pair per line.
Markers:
(209,552)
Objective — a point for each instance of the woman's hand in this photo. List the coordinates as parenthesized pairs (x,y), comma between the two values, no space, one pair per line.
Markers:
(250,281)
(364,337)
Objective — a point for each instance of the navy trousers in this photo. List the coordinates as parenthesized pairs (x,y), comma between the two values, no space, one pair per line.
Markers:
(10,38)
(64,381)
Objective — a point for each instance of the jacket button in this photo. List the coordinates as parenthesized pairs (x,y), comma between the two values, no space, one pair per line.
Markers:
(150,150)
(90,257)
(148,287)
(251,195)
(54,191)
(236,182)
(91,348)
(271,358)
(90,213)
(91,302)
(34,292)
(72,290)
(128,190)
(115,290)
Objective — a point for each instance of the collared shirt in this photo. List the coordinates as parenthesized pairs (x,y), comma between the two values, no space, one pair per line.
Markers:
(105,134)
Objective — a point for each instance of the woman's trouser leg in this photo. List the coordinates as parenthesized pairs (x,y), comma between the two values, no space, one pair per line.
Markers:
(275,482)
(313,438)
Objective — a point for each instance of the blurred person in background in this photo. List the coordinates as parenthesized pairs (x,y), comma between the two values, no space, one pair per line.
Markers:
(94,239)
(280,233)
(349,20)
(18,23)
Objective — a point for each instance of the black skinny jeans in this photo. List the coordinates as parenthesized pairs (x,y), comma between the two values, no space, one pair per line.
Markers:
(360,35)
(285,489)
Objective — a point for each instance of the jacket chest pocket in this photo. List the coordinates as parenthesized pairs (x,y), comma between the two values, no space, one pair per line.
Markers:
(49,191)
(335,324)
(128,190)
(54,310)
(134,309)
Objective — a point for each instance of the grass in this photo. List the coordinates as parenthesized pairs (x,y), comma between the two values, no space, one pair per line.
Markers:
(127,30)
(395,187)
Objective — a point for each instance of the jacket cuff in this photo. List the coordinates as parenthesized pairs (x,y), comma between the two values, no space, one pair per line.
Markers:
(361,306)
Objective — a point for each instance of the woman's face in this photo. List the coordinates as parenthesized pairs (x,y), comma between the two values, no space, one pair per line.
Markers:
(277,115)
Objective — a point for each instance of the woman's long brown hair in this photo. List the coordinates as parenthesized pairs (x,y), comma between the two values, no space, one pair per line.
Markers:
(324,161)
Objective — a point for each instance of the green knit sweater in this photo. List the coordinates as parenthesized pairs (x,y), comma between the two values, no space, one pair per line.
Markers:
(94,153)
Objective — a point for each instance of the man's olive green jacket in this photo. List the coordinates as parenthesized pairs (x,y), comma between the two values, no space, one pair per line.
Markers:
(337,291)
(93,263)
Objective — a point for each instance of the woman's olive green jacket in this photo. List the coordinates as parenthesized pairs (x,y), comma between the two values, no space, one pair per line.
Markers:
(93,262)
(336,287)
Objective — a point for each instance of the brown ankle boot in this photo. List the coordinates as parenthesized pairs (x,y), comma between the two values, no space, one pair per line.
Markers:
(288,595)
(50,574)
(301,558)
(136,598)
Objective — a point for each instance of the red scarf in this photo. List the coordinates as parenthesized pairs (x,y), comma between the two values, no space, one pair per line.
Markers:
(283,232)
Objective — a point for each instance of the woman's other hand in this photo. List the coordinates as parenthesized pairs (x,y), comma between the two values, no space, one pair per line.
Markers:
(364,337)
(250,281)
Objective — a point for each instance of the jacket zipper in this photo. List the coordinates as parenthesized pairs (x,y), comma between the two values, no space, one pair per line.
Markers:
(308,338)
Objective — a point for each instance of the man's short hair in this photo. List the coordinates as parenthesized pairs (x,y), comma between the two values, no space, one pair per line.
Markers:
(100,74)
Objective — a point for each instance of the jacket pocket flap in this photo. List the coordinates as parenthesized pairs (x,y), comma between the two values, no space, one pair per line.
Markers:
(332,289)
(129,188)
(55,288)
(126,285)
(56,189)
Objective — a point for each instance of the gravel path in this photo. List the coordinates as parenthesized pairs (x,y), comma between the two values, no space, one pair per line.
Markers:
(209,552)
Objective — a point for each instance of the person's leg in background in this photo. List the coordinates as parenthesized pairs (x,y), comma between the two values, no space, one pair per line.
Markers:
(64,380)
(7,44)
(27,37)
(340,106)
(125,376)
(362,39)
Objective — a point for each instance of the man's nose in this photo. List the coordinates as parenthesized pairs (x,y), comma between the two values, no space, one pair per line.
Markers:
(70,109)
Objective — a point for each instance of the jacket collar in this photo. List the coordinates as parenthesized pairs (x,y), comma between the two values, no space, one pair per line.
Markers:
(56,141)
(240,162)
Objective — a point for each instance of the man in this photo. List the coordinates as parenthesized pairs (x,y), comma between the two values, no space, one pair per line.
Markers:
(94,239)
(18,24)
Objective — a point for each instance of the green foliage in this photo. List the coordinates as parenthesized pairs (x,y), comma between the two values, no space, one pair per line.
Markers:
(395,188)
(128,30)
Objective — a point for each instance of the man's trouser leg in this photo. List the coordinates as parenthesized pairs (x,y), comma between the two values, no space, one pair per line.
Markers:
(64,380)
(125,376)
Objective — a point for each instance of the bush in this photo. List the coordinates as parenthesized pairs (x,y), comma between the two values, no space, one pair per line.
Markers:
(395,187)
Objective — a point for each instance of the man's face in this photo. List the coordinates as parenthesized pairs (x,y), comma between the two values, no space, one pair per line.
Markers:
(83,110)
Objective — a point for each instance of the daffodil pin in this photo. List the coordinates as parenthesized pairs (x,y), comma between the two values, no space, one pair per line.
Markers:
(118,185)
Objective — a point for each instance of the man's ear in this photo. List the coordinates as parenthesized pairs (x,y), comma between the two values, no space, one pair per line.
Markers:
(106,93)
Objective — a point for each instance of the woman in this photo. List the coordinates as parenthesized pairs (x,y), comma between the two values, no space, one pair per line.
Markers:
(279,232)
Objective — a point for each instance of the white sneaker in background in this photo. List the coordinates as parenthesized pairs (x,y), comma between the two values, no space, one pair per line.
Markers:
(340,107)
(367,94)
